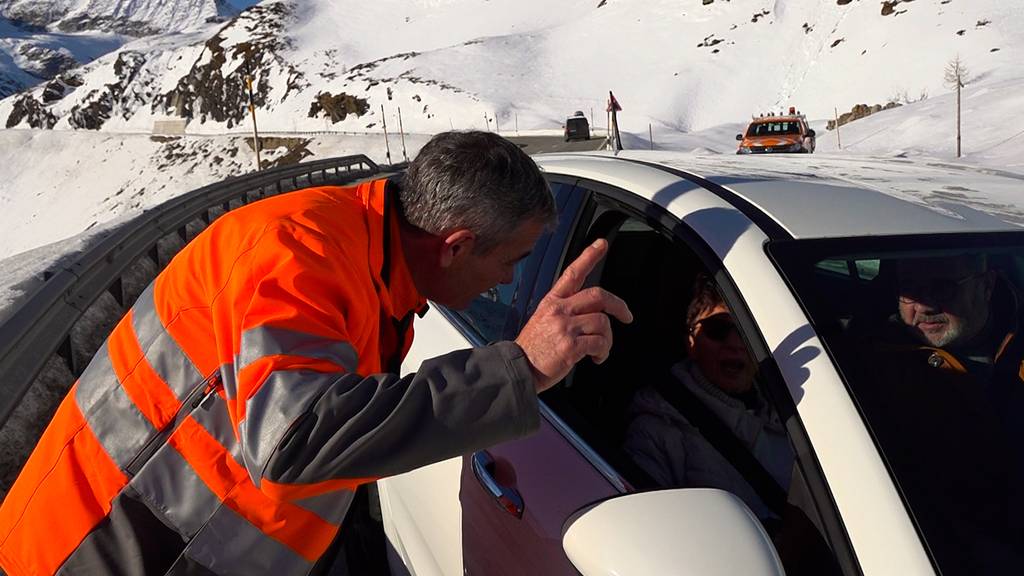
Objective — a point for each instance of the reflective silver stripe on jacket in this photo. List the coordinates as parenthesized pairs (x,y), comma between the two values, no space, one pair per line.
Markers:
(229,545)
(170,485)
(330,507)
(228,379)
(169,482)
(281,399)
(213,416)
(121,428)
(114,419)
(271,341)
(160,349)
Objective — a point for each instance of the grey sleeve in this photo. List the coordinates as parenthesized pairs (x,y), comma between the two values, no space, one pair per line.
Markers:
(382,425)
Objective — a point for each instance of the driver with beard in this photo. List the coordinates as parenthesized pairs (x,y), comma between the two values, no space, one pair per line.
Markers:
(941,384)
(718,373)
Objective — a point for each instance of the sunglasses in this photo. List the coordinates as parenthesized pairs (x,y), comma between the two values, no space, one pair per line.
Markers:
(717,328)
(941,290)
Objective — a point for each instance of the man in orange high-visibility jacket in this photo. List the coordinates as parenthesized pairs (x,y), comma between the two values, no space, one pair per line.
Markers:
(227,420)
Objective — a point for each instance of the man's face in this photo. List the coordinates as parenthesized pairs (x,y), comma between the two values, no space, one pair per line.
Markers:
(471,273)
(717,349)
(944,301)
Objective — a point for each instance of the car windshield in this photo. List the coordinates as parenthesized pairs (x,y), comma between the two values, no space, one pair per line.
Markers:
(923,331)
(773,128)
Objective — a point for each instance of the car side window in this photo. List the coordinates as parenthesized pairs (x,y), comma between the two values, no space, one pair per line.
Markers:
(679,403)
(488,312)
(495,315)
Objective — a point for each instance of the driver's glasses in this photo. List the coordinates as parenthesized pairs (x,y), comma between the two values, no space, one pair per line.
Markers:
(939,290)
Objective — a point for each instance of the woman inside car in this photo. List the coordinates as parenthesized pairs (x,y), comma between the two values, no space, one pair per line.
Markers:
(707,424)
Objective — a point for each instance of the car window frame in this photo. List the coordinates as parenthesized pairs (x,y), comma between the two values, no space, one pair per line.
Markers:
(808,466)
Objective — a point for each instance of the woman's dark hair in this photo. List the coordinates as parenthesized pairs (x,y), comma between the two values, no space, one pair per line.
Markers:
(705,297)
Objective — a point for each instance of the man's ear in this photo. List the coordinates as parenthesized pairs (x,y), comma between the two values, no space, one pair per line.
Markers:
(457,245)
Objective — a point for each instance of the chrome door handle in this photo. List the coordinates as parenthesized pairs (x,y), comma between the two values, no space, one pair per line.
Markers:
(508,499)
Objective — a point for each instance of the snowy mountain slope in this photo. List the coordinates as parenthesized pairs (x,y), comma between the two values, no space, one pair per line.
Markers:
(98,178)
(992,134)
(27,58)
(40,39)
(133,18)
(678,65)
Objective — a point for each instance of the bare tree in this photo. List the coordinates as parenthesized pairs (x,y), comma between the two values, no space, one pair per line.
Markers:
(957,76)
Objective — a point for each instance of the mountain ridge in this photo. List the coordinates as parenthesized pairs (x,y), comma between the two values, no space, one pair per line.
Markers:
(470,63)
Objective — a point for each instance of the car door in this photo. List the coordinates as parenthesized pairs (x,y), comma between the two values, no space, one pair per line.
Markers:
(516,497)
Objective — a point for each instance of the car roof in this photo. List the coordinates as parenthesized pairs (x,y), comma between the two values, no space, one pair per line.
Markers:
(816,196)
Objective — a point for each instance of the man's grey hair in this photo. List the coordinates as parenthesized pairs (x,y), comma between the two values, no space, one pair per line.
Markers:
(475,180)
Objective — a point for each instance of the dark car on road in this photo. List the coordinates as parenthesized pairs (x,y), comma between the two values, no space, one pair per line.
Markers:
(577,128)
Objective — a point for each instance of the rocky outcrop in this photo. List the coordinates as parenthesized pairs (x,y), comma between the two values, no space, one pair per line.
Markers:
(338,107)
(44,62)
(208,93)
(28,109)
(59,87)
(889,7)
(83,22)
(99,105)
(861,111)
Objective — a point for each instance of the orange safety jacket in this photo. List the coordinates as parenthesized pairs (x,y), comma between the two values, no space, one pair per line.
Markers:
(224,425)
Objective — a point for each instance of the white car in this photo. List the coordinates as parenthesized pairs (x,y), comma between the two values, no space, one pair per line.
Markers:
(894,473)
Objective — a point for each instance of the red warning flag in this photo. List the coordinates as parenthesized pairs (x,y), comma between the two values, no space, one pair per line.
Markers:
(613,104)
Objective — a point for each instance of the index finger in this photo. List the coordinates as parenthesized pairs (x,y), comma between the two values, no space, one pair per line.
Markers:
(576,273)
(598,299)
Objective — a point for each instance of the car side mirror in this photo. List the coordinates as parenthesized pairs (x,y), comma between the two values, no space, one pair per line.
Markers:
(811,133)
(739,136)
(684,531)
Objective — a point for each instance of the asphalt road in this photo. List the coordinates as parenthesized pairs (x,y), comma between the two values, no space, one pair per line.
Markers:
(544,144)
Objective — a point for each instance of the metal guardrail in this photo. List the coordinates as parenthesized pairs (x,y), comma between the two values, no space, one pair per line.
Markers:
(43,323)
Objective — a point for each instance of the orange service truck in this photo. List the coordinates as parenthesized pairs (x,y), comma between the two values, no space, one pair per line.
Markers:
(771,134)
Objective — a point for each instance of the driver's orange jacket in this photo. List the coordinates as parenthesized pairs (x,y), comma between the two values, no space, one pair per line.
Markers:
(224,424)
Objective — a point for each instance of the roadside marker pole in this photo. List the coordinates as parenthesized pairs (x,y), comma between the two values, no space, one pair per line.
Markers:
(959,85)
(384,122)
(255,132)
(517,123)
(497,126)
(650,134)
(839,140)
(401,130)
